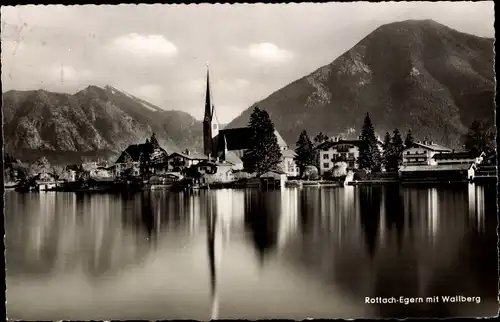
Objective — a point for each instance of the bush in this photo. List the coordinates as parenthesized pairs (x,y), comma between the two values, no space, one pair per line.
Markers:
(360,175)
(311,173)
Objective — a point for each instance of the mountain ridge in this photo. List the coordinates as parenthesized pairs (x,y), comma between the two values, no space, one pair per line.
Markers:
(105,120)
(416,74)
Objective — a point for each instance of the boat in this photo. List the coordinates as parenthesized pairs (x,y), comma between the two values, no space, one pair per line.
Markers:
(11,185)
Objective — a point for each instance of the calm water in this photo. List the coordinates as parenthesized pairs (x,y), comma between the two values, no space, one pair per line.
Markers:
(295,253)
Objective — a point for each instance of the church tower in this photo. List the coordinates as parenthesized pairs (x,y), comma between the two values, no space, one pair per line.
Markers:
(210,123)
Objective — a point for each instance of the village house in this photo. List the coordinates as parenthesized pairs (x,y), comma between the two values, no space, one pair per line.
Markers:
(340,150)
(177,161)
(212,172)
(458,172)
(458,158)
(422,153)
(131,158)
(288,164)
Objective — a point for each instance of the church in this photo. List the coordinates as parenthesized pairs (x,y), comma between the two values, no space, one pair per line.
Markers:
(230,144)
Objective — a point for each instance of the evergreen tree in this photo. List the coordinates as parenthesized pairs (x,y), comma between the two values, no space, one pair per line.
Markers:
(386,160)
(369,153)
(479,138)
(305,152)
(320,138)
(397,148)
(264,153)
(409,139)
(153,141)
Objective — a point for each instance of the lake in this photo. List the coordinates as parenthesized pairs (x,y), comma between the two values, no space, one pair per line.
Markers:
(292,253)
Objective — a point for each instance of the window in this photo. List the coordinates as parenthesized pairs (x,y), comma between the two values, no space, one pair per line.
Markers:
(351,155)
(326,165)
(408,152)
(351,164)
(325,156)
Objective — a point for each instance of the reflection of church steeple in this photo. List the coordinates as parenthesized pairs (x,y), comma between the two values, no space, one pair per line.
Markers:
(210,122)
(211,226)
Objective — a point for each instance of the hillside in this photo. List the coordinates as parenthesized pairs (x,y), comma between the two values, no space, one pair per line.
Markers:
(416,74)
(92,122)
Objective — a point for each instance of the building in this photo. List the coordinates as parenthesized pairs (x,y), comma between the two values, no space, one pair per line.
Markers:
(422,153)
(131,157)
(288,164)
(176,162)
(215,172)
(458,158)
(340,150)
(230,144)
(451,173)
(273,178)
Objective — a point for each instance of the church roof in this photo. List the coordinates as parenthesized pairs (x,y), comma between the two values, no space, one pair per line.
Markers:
(233,158)
(240,138)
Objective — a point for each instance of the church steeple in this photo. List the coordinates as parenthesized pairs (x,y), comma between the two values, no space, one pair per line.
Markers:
(210,123)
(208,99)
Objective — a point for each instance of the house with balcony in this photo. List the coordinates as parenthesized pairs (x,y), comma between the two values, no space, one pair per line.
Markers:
(340,150)
(458,158)
(422,153)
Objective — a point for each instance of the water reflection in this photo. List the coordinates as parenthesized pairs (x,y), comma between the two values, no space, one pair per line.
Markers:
(351,242)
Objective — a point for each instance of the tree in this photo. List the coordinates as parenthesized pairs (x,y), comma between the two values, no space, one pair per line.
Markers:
(386,160)
(264,152)
(305,152)
(369,153)
(153,141)
(409,139)
(397,148)
(39,166)
(479,138)
(320,138)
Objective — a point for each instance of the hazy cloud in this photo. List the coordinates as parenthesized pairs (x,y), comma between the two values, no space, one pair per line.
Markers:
(144,45)
(159,52)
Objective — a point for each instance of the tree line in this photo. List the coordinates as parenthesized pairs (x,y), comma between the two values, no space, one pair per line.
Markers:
(479,138)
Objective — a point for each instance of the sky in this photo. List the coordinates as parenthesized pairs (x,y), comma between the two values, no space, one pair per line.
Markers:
(160,52)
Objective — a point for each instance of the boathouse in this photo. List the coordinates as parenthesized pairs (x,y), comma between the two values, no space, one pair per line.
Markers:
(437,173)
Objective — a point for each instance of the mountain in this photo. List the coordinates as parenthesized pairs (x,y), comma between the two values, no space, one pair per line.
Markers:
(416,74)
(94,122)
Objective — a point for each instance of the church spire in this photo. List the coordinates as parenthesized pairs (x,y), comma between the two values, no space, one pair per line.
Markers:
(208,99)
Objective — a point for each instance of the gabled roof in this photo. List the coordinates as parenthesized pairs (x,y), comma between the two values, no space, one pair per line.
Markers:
(448,167)
(288,153)
(273,171)
(190,156)
(431,147)
(328,144)
(232,158)
(240,139)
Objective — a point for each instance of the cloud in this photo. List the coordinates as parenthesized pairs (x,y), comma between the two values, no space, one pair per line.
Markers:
(269,53)
(145,45)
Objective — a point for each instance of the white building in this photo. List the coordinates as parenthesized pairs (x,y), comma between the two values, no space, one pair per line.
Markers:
(422,153)
(458,158)
(340,150)
(288,164)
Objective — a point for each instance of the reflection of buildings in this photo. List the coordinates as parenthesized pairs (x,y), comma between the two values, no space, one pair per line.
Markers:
(289,215)
(476,206)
